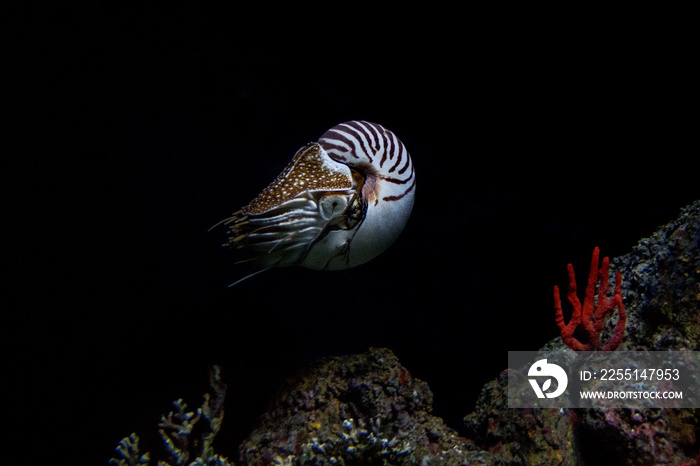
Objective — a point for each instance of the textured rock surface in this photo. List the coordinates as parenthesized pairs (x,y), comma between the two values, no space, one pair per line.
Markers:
(367,409)
(661,287)
(359,409)
(661,283)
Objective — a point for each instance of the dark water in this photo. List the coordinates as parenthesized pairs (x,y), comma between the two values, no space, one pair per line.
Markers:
(141,130)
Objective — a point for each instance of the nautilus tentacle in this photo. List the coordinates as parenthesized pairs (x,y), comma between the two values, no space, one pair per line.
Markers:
(340,202)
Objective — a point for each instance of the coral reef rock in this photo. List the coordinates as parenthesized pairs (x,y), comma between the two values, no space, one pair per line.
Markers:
(661,283)
(358,409)
(661,288)
(367,409)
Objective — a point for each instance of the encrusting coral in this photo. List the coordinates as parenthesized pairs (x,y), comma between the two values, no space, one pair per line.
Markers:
(592,316)
(356,409)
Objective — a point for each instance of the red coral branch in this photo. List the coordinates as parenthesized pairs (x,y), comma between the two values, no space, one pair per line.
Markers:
(591,317)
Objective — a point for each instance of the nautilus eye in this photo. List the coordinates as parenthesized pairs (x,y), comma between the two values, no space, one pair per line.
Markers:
(339,203)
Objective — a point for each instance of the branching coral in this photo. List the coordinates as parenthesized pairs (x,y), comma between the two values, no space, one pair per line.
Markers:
(128,450)
(188,436)
(592,316)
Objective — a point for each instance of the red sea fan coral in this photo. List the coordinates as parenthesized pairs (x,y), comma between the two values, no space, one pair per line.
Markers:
(592,316)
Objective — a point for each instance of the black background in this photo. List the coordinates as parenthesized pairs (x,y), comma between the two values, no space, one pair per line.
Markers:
(534,140)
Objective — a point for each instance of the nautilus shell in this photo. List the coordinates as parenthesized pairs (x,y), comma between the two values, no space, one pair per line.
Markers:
(339,203)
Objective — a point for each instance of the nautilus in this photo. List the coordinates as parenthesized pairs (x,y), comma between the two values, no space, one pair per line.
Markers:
(339,203)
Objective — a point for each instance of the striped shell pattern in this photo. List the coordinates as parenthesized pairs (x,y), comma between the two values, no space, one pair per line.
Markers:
(339,203)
